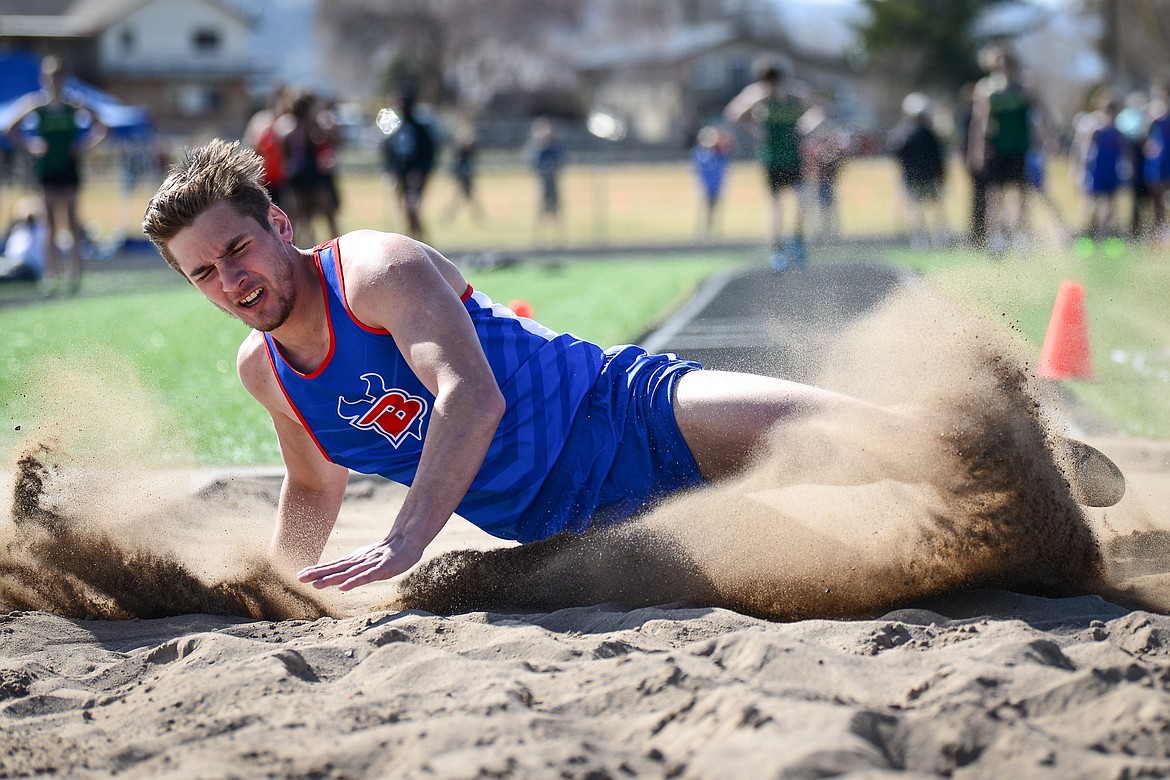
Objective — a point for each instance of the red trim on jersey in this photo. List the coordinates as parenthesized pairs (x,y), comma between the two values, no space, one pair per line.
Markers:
(328,323)
(293,406)
(345,299)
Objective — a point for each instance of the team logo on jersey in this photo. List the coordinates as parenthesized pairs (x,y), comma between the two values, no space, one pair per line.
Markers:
(394,413)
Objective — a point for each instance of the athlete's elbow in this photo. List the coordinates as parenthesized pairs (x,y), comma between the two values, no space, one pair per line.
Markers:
(494,405)
(478,405)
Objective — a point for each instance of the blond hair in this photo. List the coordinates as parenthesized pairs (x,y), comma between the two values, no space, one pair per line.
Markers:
(217,172)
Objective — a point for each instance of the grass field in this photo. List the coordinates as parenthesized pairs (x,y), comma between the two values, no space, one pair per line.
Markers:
(155,345)
(149,327)
(1125,307)
(603,205)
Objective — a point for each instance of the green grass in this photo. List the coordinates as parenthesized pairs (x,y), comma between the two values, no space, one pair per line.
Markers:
(1125,307)
(156,339)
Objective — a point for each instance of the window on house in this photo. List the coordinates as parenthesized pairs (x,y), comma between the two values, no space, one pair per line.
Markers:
(195,99)
(739,71)
(128,40)
(707,73)
(206,40)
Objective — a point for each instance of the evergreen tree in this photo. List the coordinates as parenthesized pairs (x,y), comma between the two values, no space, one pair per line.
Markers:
(929,42)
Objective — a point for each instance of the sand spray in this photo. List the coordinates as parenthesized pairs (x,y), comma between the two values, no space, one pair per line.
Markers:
(841,517)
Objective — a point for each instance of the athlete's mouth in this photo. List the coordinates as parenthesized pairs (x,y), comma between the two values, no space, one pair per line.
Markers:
(251,299)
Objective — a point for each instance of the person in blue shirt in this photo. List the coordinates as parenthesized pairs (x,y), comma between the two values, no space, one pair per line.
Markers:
(1156,157)
(709,159)
(373,353)
(1101,155)
(545,154)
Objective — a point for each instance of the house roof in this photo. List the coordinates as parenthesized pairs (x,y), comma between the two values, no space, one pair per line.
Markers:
(42,8)
(77,18)
(657,48)
(679,45)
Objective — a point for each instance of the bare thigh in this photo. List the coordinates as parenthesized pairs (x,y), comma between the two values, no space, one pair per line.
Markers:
(726,418)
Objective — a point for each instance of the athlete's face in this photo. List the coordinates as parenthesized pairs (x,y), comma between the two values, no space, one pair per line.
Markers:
(243,267)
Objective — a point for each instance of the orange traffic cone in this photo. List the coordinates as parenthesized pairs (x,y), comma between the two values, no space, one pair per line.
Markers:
(1065,354)
(521,307)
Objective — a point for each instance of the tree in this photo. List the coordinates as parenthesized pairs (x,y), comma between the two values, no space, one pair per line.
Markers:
(452,50)
(1136,39)
(926,43)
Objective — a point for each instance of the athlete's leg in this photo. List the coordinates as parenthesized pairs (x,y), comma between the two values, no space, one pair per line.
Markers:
(729,419)
(52,205)
(776,217)
(77,233)
(798,204)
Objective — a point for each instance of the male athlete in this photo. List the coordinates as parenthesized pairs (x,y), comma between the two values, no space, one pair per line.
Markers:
(371,352)
(1005,119)
(775,113)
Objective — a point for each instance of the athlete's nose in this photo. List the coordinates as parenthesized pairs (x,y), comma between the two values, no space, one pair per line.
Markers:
(232,276)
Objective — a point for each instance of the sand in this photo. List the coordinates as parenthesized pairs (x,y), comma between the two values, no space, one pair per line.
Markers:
(934,607)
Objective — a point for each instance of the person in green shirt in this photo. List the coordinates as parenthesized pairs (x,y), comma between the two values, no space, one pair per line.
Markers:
(775,113)
(1005,123)
(63,130)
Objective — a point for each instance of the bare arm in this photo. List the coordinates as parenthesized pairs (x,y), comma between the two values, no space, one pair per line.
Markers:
(313,488)
(977,134)
(28,105)
(742,104)
(95,134)
(407,288)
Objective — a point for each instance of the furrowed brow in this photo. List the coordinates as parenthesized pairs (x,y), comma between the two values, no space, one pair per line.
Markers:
(232,245)
(229,248)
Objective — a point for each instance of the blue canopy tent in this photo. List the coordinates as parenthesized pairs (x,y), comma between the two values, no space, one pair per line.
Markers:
(20,75)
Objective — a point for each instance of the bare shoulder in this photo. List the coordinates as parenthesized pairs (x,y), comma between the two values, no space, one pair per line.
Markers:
(381,267)
(27,104)
(366,252)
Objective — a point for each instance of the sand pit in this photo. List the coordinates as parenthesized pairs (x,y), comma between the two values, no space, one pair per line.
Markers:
(815,618)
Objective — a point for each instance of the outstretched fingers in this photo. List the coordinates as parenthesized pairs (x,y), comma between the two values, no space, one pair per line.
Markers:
(364,565)
(331,573)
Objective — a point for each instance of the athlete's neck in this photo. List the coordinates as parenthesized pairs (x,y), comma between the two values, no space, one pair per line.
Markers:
(304,337)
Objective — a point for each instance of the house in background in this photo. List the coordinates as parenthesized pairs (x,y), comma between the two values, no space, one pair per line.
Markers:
(190,61)
(669,85)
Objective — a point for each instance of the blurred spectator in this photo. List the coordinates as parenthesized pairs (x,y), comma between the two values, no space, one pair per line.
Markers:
(546,156)
(827,146)
(1036,173)
(920,154)
(977,227)
(264,133)
(709,158)
(1100,160)
(408,156)
(328,139)
(307,181)
(773,112)
(1132,122)
(25,243)
(1004,112)
(1157,155)
(463,169)
(62,131)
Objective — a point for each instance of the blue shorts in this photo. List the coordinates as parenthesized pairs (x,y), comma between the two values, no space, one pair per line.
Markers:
(624,450)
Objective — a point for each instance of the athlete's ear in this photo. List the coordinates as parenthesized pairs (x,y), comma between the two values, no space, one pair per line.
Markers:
(280,223)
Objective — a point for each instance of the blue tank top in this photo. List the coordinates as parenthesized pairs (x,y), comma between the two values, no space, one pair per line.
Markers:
(367,411)
(1158,147)
(1103,162)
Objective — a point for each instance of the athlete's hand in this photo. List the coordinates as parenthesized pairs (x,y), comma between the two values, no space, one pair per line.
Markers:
(379,561)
